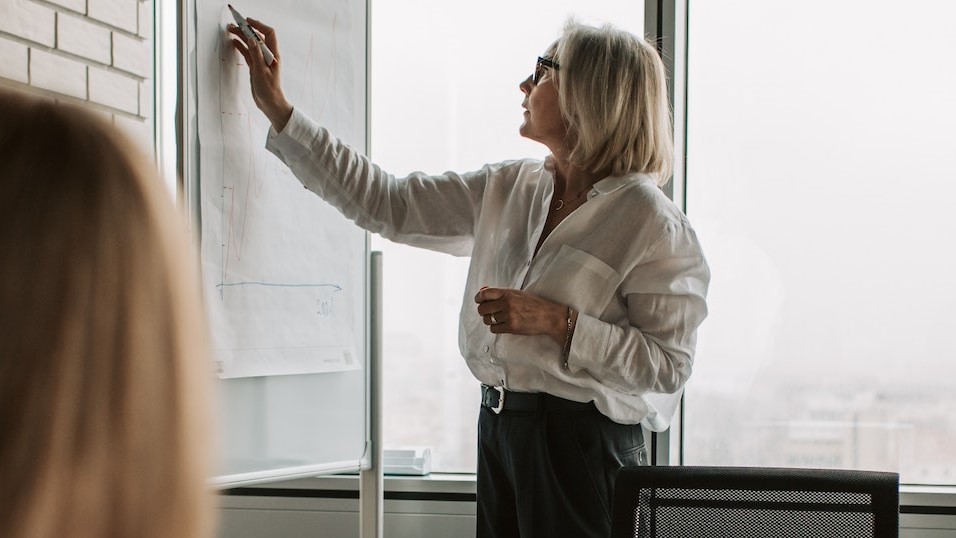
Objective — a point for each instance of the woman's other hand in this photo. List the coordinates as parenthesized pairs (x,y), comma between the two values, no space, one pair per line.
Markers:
(265,80)
(519,312)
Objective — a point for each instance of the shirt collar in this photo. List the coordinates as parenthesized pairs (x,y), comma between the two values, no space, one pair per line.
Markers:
(610,183)
(613,183)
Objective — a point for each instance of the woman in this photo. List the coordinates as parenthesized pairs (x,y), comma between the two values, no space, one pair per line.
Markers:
(103,361)
(588,283)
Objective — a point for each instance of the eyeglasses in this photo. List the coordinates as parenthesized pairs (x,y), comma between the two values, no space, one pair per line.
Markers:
(539,68)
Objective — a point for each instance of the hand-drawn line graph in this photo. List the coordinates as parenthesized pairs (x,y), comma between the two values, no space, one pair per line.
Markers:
(238,167)
(283,270)
(240,178)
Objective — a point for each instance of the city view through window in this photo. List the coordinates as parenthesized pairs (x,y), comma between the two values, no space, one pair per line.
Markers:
(819,179)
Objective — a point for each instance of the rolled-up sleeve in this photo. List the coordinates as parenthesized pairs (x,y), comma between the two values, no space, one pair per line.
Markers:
(665,297)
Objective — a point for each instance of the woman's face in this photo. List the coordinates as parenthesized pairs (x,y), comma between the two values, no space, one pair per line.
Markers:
(542,117)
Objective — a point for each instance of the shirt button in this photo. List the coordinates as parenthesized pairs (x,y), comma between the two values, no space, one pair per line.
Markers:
(485,349)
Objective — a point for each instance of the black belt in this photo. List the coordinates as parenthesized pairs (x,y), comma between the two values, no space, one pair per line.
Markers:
(498,399)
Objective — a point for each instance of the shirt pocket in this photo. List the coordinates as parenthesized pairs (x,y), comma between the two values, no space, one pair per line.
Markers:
(578,279)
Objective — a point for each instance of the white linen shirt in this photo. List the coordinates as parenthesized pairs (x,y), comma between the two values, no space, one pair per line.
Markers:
(627,260)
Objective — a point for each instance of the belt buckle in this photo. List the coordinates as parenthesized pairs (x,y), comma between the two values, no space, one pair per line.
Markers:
(501,400)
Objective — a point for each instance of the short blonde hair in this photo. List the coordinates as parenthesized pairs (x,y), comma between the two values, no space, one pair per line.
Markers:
(103,353)
(612,90)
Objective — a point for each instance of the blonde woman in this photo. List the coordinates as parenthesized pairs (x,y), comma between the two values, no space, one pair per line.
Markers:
(586,285)
(103,364)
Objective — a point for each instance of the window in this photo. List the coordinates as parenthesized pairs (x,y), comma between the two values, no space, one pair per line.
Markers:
(445,96)
(820,180)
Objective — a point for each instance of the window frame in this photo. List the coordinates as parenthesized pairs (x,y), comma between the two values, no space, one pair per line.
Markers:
(166,82)
(667,22)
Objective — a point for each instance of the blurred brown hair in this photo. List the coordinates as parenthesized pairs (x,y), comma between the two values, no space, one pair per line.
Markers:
(103,364)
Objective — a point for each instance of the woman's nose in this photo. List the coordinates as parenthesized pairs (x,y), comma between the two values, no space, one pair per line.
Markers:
(525,85)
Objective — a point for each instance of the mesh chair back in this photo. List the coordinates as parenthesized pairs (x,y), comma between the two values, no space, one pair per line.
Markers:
(746,502)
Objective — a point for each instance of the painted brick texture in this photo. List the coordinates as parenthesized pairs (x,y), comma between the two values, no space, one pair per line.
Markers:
(114,90)
(78,6)
(93,52)
(123,14)
(60,74)
(14,61)
(28,20)
(133,55)
(77,36)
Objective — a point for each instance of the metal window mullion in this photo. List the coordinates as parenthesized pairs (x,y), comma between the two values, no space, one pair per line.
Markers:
(665,24)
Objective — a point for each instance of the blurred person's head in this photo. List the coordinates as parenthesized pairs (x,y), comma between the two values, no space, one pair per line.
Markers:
(103,364)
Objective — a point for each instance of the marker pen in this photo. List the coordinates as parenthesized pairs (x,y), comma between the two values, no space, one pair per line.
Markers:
(250,33)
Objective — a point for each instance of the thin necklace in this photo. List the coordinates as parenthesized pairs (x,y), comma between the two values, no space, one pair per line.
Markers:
(561,202)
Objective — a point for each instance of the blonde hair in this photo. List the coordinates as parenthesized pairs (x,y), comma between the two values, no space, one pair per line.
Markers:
(103,360)
(612,91)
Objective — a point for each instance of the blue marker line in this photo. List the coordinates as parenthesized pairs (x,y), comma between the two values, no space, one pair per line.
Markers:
(278,285)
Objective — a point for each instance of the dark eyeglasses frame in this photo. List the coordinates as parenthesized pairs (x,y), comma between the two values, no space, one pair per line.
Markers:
(538,72)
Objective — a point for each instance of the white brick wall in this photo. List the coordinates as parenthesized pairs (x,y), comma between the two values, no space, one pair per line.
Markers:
(122,14)
(28,20)
(13,61)
(146,20)
(77,36)
(56,73)
(76,5)
(94,52)
(132,54)
(114,90)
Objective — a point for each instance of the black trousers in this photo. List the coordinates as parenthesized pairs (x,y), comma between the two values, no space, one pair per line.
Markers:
(550,472)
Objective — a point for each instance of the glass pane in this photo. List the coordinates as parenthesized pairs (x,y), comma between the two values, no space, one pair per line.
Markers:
(445,96)
(821,181)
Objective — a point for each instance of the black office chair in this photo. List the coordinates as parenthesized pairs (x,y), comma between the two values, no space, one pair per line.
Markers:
(747,502)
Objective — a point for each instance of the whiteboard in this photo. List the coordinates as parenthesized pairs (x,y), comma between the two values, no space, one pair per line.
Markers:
(285,276)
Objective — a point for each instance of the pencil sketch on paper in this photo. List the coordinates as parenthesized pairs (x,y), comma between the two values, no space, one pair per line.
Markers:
(282,270)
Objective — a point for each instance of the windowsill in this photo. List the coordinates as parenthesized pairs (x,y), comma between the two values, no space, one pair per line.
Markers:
(910,495)
(432,483)
(936,496)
